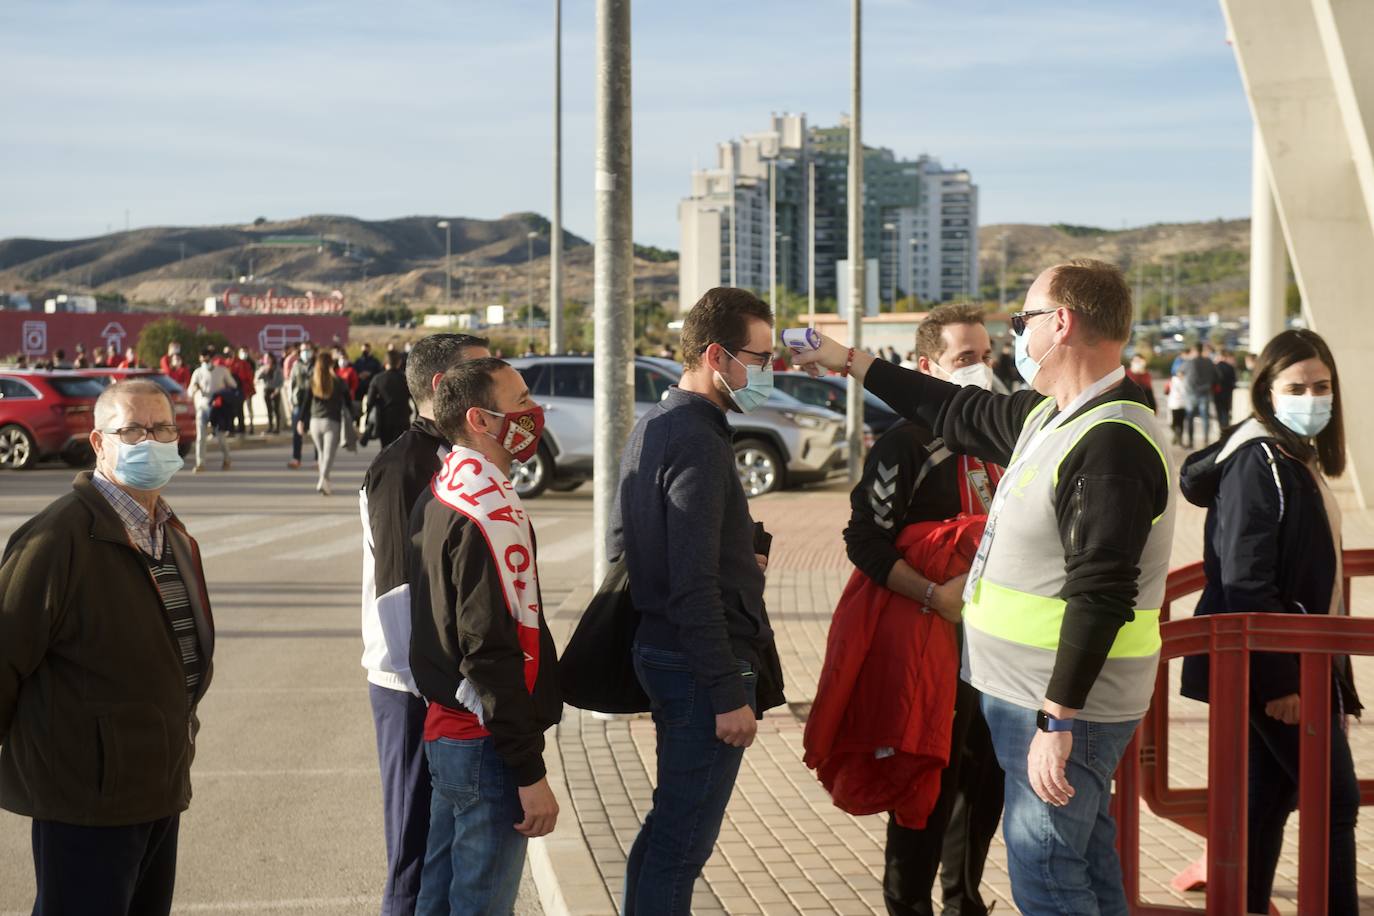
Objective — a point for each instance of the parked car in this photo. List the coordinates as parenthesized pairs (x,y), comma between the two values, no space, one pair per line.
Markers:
(783,443)
(45,415)
(182,407)
(829,392)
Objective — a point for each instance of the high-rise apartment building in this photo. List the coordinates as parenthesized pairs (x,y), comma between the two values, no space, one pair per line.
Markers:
(920,220)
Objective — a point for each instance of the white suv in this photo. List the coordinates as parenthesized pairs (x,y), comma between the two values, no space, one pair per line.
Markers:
(783,443)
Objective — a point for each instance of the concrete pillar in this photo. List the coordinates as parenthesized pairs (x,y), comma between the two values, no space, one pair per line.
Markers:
(1268,255)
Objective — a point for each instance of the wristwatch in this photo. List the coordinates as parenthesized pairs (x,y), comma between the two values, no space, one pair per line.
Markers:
(1048,723)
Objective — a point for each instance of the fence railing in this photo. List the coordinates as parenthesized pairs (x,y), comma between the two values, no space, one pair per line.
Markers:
(1218,812)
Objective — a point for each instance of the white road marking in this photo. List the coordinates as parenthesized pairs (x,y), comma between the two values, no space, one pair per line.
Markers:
(198,525)
(313,525)
(354,542)
(571,546)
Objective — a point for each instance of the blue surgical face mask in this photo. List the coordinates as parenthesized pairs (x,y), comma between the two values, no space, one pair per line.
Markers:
(149,465)
(757,387)
(1305,414)
(1029,368)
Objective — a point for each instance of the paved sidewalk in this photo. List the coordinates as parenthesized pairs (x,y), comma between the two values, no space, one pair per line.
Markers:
(784,847)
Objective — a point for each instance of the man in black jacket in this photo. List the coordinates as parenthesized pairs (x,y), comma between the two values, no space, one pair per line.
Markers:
(397,477)
(106,639)
(910,477)
(704,652)
(388,401)
(480,650)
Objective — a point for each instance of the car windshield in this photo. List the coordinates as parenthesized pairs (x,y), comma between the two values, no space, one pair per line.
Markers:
(77,387)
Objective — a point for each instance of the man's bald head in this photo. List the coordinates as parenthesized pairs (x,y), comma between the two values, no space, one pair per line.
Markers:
(114,400)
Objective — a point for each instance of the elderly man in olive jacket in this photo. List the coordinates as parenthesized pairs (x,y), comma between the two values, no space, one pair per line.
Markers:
(105,645)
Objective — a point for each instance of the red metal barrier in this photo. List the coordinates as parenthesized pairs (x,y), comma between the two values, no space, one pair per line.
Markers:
(1219,812)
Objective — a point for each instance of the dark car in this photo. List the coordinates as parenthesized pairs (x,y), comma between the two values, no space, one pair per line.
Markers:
(44,415)
(829,391)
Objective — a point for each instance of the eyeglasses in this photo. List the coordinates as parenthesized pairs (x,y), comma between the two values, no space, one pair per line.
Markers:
(764,358)
(134,434)
(1018,320)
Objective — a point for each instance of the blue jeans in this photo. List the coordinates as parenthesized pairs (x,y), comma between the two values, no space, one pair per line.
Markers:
(696,775)
(1062,861)
(1199,405)
(475,857)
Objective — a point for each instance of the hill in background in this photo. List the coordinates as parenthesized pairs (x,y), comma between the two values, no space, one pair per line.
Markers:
(396,262)
(1205,267)
(399,263)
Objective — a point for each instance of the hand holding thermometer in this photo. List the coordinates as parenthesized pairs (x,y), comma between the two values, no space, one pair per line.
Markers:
(799,340)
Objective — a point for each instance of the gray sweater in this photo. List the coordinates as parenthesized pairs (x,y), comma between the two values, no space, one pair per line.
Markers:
(682,520)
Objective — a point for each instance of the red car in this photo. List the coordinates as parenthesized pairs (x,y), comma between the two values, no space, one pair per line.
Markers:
(46,414)
(181,401)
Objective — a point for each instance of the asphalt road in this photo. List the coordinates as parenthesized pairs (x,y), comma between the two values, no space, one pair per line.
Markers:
(286,816)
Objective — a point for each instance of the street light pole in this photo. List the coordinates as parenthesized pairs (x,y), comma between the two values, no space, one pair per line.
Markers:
(912,291)
(811,244)
(556,227)
(613,271)
(448,271)
(1002,274)
(854,409)
(892,286)
(773,236)
(529,274)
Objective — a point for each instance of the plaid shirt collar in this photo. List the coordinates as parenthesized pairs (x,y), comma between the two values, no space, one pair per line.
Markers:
(147,538)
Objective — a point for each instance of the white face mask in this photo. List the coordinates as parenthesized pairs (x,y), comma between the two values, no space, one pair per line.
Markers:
(977,375)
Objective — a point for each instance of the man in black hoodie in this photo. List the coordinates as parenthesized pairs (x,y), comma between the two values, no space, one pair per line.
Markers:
(397,477)
(480,650)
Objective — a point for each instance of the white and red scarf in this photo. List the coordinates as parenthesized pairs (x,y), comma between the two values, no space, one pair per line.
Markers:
(472,486)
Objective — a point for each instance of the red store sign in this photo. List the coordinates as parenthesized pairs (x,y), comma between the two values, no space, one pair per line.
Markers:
(38,335)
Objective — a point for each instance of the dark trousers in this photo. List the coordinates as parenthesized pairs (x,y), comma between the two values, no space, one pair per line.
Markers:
(272,398)
(1274,793)
(296,438)
(696,776)
(1176,417)
(1222,403)
(399,717)
(960,829)
(105,871)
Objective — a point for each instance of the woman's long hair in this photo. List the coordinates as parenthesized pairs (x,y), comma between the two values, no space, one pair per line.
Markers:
(322,381)
(1294,346)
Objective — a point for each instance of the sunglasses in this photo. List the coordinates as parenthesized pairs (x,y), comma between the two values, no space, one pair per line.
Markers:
(1018,320)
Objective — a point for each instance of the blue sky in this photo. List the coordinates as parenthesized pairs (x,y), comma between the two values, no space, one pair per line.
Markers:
(1103,112)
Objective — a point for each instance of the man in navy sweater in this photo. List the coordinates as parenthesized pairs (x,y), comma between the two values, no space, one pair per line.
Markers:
(704,651)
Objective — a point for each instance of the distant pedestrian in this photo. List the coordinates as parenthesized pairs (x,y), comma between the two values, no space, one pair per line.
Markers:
(394,481)
(481,651)
(242,368)
(299,375)
(269,380)
(82,361)
(1225,387)
(106,639)
(367,367)
(1176,395)
(1200,373)
(60,359)
(178,371)
(212,390)
(704,652)
(326,407)
(130,360)
(1273,545)
(388,402)
(111,358)
(173,349)
(345,371)
(1005,368)
(1140,374)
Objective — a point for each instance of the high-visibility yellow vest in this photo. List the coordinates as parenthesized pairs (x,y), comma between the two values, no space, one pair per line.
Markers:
(1012,620)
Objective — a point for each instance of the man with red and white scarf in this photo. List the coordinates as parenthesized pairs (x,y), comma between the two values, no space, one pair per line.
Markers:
(480,651)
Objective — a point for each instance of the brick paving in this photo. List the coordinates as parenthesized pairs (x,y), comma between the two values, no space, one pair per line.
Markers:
(784,848)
